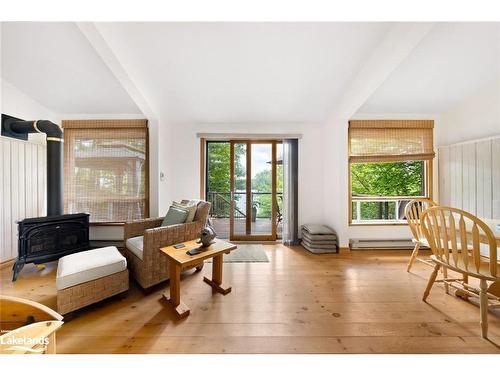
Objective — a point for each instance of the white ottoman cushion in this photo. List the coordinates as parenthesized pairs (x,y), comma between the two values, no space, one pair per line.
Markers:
(136,245)
(89,265)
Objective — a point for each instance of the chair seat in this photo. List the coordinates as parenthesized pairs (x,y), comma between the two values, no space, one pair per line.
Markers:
(484,268)
(423,242)
(89,265)
(136,246)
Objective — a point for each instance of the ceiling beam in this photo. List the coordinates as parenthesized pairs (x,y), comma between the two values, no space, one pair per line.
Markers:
(397,45)
(101,46)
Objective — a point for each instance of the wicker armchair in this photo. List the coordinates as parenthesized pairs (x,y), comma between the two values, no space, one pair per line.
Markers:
(153,267)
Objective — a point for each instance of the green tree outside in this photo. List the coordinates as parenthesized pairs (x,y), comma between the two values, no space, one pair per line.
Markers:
(218,173)
(385,180)
(218,178)
(262,182)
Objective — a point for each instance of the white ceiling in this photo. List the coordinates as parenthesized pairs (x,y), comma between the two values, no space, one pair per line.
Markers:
(243,72)
(55,65)
(451,63)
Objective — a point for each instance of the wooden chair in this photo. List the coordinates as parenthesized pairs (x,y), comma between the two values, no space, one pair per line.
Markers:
(17,313)
(413,212)
(455,237)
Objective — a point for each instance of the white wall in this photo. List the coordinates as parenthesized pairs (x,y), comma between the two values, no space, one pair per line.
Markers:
(469,156)
(16,103)
(335,184)
(476,117)
(469,177)
(166,158)
(185,180)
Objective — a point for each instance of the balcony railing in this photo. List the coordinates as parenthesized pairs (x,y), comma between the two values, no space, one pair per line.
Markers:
(366,210)
(260,202)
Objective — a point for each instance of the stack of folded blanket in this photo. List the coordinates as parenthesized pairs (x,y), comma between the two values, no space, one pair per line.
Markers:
(319,238)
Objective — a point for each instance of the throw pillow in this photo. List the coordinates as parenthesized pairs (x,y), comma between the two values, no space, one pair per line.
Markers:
(174,216)
(191,208)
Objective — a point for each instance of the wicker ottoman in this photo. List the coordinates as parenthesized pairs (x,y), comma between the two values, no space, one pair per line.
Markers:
(90,276)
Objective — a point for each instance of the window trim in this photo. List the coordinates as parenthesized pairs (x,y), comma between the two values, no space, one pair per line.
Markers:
(116,124)
(428,179)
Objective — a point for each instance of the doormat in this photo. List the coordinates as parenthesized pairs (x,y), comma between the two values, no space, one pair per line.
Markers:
(246,254)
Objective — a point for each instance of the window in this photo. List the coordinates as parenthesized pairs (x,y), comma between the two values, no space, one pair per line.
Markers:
(390,163)
(106,169)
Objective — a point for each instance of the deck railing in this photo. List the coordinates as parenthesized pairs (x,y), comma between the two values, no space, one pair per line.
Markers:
(221,204)
(375,209)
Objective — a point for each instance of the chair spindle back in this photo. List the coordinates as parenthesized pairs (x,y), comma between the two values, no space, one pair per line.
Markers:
(413,213)
(455,237)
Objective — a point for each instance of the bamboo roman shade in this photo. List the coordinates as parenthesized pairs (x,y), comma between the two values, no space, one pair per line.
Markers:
(390,140)
(106,169)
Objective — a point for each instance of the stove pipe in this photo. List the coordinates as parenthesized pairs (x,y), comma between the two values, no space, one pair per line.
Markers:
(54,159)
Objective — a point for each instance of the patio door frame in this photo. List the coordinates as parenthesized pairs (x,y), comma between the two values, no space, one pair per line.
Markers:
(248,214)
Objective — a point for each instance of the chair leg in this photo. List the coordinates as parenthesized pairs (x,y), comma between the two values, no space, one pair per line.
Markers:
(445,276)
(466,280)
(413,257)
(483,299)
(432,278)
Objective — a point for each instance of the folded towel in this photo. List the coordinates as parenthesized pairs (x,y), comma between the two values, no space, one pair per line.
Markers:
(319,237)
(317,229)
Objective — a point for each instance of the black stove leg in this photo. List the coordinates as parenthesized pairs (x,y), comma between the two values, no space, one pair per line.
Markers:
(18,266)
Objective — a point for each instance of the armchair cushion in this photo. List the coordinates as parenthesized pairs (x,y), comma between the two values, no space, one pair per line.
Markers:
(89,265)
(136,246)
(175,215)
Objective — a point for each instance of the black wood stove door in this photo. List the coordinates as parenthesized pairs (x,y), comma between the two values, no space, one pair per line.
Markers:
(47,239)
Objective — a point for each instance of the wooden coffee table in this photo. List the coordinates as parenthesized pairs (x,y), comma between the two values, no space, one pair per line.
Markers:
(179,260)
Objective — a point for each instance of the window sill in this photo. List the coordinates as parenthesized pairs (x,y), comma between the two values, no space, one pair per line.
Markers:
(105,224)
(378,223)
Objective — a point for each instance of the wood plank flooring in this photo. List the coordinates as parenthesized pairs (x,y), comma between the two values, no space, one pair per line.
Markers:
(358,302)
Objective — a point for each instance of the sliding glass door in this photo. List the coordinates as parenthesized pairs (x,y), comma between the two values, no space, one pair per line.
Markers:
(244,184)
(253,190)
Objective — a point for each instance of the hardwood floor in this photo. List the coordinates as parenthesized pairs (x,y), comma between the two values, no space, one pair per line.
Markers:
(358,302)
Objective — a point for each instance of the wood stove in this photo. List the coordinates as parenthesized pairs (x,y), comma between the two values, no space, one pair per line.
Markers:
(45,239)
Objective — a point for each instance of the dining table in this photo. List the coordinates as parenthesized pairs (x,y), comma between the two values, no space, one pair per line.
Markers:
(494,225)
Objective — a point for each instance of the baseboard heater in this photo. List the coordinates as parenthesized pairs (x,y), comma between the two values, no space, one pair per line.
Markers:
(386,243)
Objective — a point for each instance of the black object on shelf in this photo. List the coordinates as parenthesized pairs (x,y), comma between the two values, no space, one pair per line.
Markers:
(195,251)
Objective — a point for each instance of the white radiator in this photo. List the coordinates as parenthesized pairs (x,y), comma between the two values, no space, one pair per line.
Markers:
(386,243)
